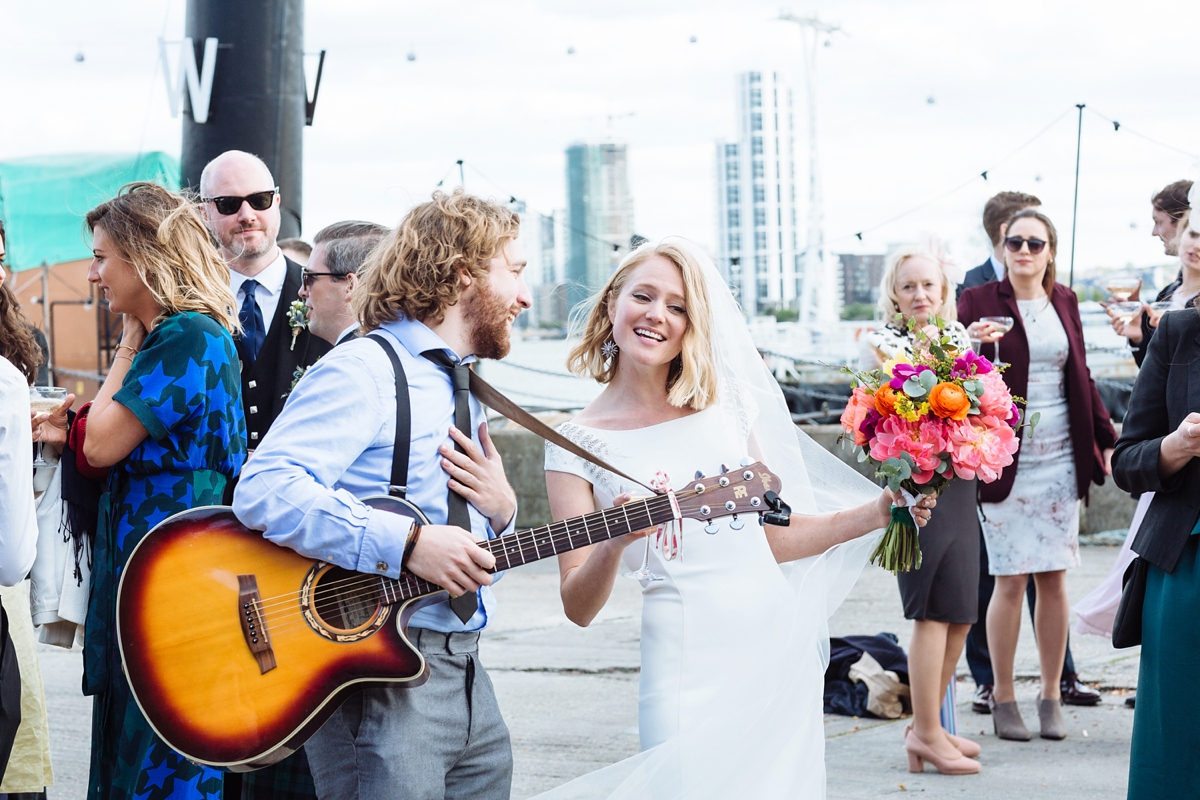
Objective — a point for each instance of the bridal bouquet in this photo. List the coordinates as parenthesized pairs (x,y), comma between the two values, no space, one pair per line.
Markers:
(923,422)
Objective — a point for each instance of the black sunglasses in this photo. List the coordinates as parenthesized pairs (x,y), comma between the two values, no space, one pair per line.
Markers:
(1013,243)
(259,201)
(307,278)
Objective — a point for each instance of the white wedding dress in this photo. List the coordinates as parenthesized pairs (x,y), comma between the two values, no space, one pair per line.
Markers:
(734,646)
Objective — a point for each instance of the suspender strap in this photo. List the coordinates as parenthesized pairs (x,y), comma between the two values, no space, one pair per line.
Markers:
(399,483)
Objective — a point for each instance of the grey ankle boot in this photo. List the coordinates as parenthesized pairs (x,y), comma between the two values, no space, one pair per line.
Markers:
(1009,725)
(1050,715)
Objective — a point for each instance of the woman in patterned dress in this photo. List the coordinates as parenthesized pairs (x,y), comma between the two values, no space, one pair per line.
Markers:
(1031,514)
(168,424)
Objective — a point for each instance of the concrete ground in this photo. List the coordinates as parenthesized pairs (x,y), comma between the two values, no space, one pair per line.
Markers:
(570,698)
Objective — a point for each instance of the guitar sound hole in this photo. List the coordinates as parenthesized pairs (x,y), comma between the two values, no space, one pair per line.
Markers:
(345,600)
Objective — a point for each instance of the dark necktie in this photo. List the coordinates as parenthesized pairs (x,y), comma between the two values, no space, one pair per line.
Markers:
(253,329)
(460,376)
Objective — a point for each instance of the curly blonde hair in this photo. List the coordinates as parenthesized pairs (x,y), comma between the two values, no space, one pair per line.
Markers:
(692,379)
(163,236)
(414,271)
(889,300)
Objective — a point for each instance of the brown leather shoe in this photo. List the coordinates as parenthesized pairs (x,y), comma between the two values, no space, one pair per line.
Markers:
(1075,693)
(981,704)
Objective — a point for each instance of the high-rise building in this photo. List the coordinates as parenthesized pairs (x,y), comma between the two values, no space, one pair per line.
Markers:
(861,275)
(599,215)
(756,197)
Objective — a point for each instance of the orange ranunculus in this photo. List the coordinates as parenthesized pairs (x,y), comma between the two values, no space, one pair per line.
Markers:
(856,411)
(949,401)
(885,400)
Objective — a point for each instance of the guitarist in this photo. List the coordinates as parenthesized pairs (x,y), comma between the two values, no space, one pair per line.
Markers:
(441,290)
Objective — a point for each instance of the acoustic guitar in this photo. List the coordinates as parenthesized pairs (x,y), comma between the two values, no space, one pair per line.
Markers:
(237,649)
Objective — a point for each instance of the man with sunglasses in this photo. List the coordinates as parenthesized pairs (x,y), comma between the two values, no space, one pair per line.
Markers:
(241,206)
(996,213)
(332,274)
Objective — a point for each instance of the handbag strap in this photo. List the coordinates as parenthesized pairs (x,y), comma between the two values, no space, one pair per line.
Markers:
(398,486)
(490,396)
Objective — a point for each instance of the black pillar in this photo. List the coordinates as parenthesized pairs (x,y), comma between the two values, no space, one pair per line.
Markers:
(258,99)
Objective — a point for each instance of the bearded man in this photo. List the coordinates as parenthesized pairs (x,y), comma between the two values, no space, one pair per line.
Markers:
(440,291)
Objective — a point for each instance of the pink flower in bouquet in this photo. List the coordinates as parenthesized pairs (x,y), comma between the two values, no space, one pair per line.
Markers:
(856,411)
(1014,418)
(980,447)
(969,364)
(923,441)
(902,372)
(997,399)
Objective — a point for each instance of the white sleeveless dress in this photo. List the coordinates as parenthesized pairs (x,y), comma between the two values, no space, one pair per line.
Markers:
(733,646)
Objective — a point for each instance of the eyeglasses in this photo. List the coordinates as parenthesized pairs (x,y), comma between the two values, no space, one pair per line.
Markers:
(1014,243)
(259,201)
(307,278)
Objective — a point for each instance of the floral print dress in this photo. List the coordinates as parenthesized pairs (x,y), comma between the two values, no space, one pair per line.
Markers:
(185,388)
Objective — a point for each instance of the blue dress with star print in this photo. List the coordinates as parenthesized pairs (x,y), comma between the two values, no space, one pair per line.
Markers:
(184,387)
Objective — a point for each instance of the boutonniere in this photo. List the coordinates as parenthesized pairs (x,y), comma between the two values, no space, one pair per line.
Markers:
(297,318)
(296,376)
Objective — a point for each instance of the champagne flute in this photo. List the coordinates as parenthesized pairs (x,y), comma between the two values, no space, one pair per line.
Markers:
(1123,287)
(45,400)
(1002,326)
(644,573)
(1157,310)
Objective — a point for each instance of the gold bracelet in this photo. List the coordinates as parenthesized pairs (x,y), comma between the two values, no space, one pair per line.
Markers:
(128,347)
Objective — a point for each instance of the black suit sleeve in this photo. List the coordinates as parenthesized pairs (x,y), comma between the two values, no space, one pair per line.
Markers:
(1139,349)
(1135,462)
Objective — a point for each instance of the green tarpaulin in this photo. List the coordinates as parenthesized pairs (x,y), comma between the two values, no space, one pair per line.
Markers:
(43,200)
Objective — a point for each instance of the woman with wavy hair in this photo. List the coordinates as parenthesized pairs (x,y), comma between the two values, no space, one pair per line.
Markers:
(734,624)
(167,423)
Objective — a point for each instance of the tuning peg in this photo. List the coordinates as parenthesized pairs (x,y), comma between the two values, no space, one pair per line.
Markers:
(736,524)
(724,469)
(711,528)
(745,462)
(699,474)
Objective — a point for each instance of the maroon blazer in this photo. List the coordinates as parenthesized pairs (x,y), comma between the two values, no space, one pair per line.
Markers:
(1091,429)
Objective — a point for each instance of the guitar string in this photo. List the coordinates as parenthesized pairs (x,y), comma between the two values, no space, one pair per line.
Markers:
(292,616)
(651,506)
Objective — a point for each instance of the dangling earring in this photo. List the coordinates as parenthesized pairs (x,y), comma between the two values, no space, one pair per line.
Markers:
(609,349)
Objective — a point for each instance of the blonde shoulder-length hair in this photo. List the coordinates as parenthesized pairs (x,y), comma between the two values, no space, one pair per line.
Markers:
(163,236)
(692,379)
(889,300)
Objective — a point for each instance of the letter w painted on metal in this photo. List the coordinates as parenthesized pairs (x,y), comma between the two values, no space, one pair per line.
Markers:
(199,81)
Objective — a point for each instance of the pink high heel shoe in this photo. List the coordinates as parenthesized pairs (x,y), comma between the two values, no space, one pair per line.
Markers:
(967,747)
(919,753)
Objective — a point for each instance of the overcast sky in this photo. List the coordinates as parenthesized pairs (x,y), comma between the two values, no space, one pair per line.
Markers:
(493,84)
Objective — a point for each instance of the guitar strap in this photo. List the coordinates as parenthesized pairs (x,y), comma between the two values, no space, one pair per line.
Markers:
(489,396)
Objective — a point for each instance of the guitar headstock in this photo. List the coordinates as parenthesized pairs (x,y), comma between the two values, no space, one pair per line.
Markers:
(748,489)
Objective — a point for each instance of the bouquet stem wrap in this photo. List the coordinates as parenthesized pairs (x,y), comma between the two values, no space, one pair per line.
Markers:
(900,549)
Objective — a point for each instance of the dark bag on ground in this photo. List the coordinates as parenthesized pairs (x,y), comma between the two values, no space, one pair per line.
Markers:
(1127,625)
(844,696)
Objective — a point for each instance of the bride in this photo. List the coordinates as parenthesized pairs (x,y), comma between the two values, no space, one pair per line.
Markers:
(734,637)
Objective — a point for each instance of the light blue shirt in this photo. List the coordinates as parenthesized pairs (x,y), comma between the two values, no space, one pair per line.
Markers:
(332,444)
(997,267)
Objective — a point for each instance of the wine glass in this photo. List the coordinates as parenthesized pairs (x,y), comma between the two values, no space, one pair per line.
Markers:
(1002,325)
(45,400)
(1157,310)
(644,573)
(1125,310)
(1123,287)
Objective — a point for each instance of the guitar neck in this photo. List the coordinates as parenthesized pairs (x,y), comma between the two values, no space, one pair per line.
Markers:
(534,544)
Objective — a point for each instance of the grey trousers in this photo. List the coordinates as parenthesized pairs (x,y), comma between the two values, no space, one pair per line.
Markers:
(445,740)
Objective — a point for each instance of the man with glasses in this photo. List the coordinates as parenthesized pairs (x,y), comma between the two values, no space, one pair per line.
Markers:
(241,206)
(996,214)
(332,274)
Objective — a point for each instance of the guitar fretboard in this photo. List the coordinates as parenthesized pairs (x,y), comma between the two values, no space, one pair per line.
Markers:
(534,544)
